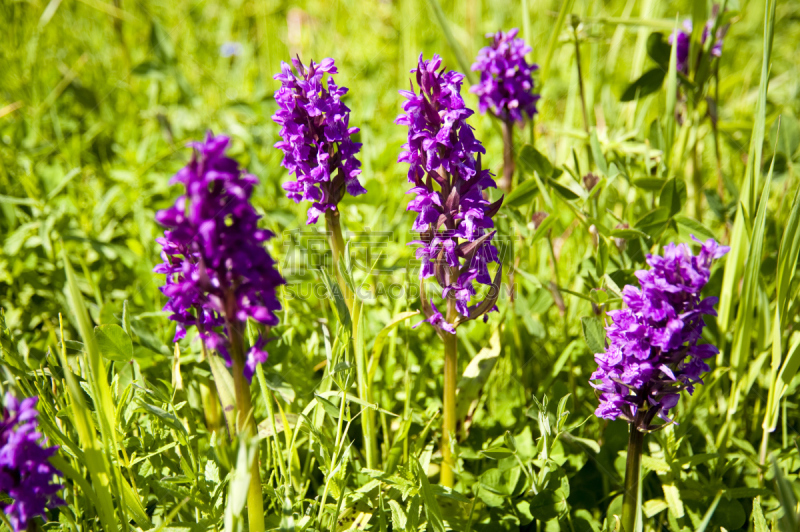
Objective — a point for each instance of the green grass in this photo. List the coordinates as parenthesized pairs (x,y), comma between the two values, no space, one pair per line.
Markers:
(97,102)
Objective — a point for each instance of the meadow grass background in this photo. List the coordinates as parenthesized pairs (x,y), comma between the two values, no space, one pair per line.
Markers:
(97,103)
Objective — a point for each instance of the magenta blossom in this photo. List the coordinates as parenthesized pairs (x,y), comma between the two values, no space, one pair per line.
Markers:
(653,348)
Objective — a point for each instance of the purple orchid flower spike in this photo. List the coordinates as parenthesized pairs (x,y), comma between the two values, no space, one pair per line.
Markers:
(653,348)
(218,273)
(316,137)
(26,474)
(506,90)
(506,85)
(453,217)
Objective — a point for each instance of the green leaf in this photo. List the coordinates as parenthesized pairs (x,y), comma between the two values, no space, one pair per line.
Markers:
(746,493)
(562,190)
(659,49)
(729,514)
(785,135)
(627,234)
(744,317)
(672,94)
(168,418)
(673,196)
(594,334)
(548,504)
(399,518)
(654,222)
(532,160)
(759,523)
(455,47)
(783,488)
(225,389)
(432,510)
(648,83)
(601,261)
(694,227)
(597,153)
(649,183)
(497,453)
(339,303)
(114,343)
(522,194)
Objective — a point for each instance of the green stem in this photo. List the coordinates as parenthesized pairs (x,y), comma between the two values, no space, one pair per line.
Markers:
(506,181)
(633,467)
(337,248)
(245,423)
(447,477)
(362,379)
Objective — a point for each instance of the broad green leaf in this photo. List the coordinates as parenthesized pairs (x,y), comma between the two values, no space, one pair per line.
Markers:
(399,518)
(654,222)
(648,83)
(522,194)
(548,504)
(563,191)
(114,343)
(673,498)
(225,389)
(673,196)
(649,183)
(659,49)
(532,160)
(594,334)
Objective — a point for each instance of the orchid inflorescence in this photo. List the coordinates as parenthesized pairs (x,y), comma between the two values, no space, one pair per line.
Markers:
(26,474)
(654,351)
(218,273)
(316,137)
(506,84)
(454,218)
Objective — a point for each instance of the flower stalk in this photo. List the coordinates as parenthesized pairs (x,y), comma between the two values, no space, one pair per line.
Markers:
(633,472)
(245,424)
(447,476)
(505,183)
(334,229)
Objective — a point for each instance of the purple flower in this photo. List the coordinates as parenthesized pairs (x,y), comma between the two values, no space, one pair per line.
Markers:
(506,85)
(217,270)
(684,36)
(26,474)
(653,352)
(437,320)
(315,133)
(453,217)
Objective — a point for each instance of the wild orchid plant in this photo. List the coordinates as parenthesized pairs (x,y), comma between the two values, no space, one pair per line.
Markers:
(506,90)
(654,351)
(454,219)
(218,274)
